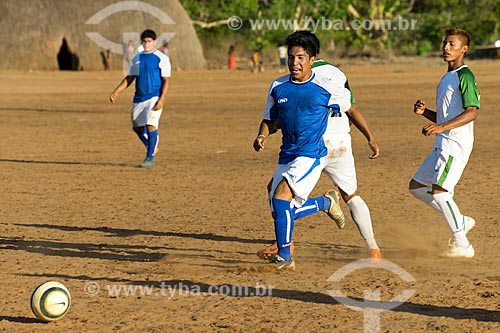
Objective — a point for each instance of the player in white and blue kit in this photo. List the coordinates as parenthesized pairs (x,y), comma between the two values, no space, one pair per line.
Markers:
(151,71)
(299,104)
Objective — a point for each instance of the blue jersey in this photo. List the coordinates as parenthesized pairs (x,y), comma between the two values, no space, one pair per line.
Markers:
(149,69)
(302,110)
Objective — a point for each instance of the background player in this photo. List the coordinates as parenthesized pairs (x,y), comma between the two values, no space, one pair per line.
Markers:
(151,71)
(457,103)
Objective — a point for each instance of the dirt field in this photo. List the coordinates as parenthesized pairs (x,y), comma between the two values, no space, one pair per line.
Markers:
(172,248)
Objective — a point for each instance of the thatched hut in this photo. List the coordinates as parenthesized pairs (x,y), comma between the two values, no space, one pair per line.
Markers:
(39,34)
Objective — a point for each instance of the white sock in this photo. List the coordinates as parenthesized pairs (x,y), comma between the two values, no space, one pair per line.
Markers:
(453,217)
(424,194)
(361,216)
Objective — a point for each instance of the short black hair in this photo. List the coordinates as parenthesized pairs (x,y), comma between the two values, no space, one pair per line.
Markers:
(462,35)
(305,39)
(148,33)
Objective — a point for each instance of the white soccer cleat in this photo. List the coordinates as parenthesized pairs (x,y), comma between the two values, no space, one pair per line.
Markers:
(470,223)
(460,252)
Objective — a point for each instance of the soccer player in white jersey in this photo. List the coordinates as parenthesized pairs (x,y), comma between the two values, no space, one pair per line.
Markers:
(457,105)
(299,104)
(151,71)
(339,163)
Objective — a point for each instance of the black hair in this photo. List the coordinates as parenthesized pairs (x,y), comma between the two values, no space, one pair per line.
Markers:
(148,33)
(305,39)
(462,35)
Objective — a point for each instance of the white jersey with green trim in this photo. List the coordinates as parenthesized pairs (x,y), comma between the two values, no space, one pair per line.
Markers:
(456,91)
(340,123)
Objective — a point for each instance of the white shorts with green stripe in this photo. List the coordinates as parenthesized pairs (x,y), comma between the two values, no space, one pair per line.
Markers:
(442,169)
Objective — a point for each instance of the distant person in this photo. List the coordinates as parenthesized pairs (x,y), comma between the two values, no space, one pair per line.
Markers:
(104,60)
(109,59)
(164,48)
(457,105)
(151,71)
(231,58)
(129,52)
(255,61)
(282,54)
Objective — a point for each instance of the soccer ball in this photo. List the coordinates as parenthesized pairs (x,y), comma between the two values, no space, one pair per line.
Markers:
(50,301)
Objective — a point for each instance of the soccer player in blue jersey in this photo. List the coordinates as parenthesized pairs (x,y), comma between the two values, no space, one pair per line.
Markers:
(151,71)
(299,104)
(339,163)
(457,105)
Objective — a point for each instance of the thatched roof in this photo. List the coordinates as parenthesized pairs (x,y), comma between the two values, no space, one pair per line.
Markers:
(32,32)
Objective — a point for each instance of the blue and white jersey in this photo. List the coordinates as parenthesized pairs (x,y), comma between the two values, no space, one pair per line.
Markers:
(303,110)
(149,69)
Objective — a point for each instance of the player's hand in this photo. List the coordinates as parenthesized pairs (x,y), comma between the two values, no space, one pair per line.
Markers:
(419,107)
(375,149)
(431,129)
(259,142)
(158,106)
(112,98)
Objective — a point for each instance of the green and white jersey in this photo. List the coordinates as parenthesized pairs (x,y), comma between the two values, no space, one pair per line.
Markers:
(323,68)
(456,91)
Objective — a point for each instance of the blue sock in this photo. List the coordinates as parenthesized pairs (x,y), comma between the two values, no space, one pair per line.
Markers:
(152,141)
(311,206)
(144,137)
(283,227)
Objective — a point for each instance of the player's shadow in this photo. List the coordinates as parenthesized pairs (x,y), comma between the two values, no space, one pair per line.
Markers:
(23,320)
(119,232)
(196,289)
(65,162)
(98,251)
(48,110)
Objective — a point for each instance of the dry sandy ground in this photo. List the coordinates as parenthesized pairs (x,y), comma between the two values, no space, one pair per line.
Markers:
(172,248)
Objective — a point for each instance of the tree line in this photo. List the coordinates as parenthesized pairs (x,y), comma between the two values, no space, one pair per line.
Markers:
(357,27)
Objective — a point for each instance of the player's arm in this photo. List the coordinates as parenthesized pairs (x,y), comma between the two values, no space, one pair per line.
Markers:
(469,114)
(420,109)
(357,118)
(163,94)
(266,128)
(127,81)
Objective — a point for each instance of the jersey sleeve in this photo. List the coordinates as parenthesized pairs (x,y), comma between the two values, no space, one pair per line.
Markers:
(270,108)
(468,88)
(165,66)
(340,94)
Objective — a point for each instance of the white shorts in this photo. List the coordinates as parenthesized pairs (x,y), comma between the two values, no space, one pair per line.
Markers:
(143,114)
(302,174)
(442,169)
(339,163)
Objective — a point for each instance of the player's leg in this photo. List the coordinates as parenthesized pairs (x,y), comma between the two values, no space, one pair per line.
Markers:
(139,120)
(449,170)
(342,172)
(153,140)
(297,182)
(310,206)
(153,121)
(142,133)
(421,183)
(283,220)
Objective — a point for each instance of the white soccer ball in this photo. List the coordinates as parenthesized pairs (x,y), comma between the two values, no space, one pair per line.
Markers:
(50,301)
